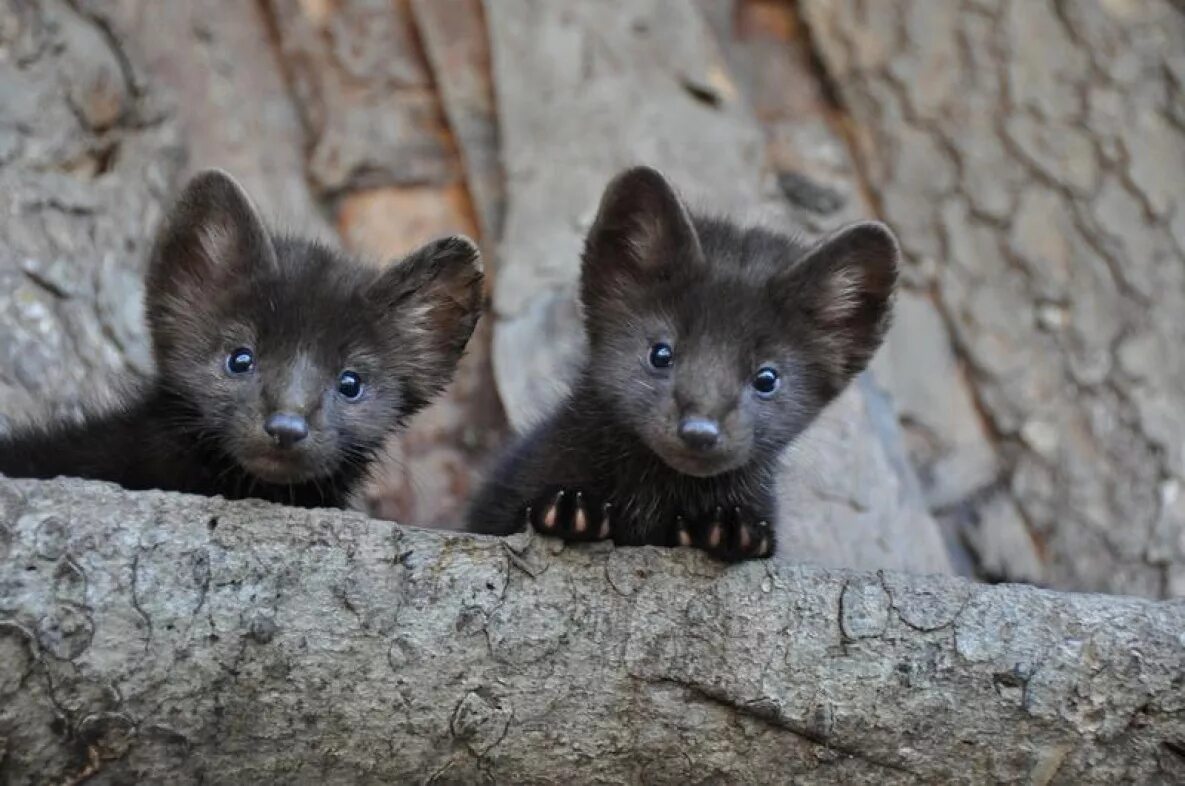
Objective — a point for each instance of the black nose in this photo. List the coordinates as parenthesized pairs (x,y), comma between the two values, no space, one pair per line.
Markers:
(699,433)
(286,428)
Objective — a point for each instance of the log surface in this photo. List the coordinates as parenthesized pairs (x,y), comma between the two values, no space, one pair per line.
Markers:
(164,638)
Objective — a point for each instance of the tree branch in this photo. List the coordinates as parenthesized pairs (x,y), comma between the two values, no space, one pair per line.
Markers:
(163,637)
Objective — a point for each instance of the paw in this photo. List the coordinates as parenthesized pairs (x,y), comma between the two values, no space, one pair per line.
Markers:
(727,535)
(571,515)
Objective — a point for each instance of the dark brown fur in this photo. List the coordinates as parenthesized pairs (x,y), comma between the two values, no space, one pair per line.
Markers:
(611,462)
(218,280)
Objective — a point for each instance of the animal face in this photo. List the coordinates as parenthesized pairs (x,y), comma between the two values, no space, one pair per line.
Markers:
(717,345)
(298,361)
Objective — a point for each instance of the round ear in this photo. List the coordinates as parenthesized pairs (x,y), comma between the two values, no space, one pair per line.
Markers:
(642,231)
(429,302)
(844,284)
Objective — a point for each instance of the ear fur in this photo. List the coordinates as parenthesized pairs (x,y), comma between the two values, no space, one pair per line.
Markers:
(845,284)
(641,232)
(211,231)
(211,236)
(431,300)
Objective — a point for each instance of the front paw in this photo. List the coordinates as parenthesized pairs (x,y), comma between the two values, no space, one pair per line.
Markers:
(728,535)
(572,515)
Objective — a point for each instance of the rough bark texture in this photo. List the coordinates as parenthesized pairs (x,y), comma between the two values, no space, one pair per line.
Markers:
(171,639)
(86,158)
(1030,155)
(587,89)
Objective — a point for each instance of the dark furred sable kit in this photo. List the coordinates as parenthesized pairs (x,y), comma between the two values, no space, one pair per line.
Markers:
(711,347)
(281,365)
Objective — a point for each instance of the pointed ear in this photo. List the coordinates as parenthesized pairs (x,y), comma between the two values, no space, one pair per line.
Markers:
(845,284)
(642,231)
(211,234)
(429,302)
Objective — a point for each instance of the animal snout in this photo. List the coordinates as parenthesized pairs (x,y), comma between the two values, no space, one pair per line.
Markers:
(701,434)
(286,428)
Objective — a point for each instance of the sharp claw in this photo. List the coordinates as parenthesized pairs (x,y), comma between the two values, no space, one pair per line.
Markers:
(605,528)
(744,538)
(580,520)
(763,548)
(684,535)
(549,517)
(714,536)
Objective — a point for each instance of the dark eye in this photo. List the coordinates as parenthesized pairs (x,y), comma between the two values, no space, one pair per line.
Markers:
(240,361)
(661,355)
(349,385)
(766,381)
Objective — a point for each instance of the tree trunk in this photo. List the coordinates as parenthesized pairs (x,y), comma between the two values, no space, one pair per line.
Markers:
(1031,167)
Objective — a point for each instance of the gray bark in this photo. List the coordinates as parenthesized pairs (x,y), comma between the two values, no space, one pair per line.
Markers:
(162,638)
(86,159)
(585,89)
(1030,155)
